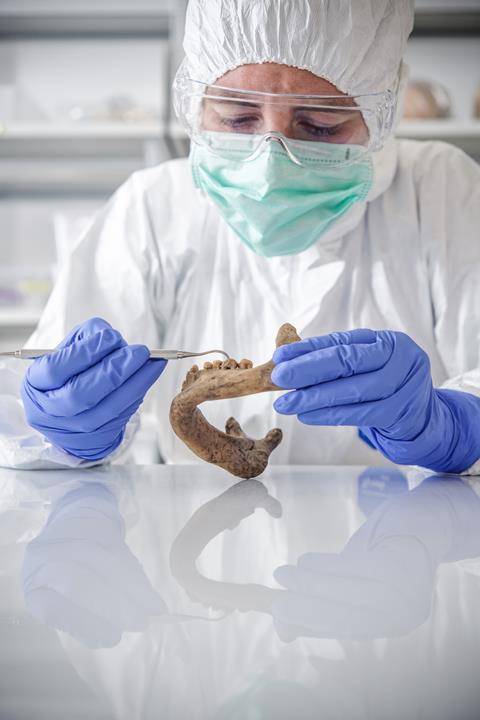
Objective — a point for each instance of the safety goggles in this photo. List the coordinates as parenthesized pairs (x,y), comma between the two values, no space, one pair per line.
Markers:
(362,121)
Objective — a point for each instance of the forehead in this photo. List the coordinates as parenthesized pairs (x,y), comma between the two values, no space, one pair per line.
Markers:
(275,78)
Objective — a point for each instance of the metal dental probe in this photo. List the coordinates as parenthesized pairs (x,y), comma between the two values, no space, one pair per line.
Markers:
(28,354)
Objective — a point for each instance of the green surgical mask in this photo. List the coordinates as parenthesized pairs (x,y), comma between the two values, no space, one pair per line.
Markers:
(275,206)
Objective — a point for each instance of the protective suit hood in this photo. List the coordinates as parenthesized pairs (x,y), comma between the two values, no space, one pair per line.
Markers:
(357,46)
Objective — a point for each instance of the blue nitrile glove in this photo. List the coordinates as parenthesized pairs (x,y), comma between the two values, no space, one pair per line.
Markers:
(82,396)
(381,383)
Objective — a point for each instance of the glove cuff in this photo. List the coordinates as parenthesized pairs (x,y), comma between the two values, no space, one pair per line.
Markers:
(450,441)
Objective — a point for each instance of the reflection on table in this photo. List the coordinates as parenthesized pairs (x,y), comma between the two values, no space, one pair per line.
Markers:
(311,593)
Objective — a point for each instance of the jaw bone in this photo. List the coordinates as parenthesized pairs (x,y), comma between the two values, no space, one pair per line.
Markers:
(232,450)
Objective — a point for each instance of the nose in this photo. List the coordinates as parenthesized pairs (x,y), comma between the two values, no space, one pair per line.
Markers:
(276,137)
(278,121)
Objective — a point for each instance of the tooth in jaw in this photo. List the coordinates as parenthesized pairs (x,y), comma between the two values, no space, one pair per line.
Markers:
(232,450)
(229,364)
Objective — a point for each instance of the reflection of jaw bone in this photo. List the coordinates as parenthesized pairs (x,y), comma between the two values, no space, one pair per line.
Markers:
(232,450)
(212,519)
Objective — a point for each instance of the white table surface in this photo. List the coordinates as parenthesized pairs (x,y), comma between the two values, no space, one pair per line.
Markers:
(149,592)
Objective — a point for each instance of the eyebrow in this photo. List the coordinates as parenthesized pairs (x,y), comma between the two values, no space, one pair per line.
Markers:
(324,110)
(232,101)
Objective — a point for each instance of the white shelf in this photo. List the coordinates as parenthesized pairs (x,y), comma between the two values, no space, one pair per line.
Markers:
(97,7)
(19,317)
(454,19)
(71,157)
(81,131)
(40,19)
(439,129)
(68,175)
(463,134)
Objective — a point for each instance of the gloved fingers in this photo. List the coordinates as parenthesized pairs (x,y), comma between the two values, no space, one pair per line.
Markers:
(125,399)
(322,342)
(90,387)
(366,387)
(51,372)
(84,329)
(88,446)
(332,363)
(401,415)
(76,434)
(119,405)
(378,414)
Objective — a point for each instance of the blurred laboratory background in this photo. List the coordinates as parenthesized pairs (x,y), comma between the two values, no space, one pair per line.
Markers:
(85,101)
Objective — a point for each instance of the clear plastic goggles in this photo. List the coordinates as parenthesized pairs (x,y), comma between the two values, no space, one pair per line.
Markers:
(363,121)
(317,156)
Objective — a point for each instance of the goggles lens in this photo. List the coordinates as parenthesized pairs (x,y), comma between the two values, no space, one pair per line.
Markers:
(363,121)
(330,122)
(243,147)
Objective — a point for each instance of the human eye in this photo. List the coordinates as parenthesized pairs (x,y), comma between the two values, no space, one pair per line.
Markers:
(225,116)
(341,126)
(318,126)
(242,122)
(319,131)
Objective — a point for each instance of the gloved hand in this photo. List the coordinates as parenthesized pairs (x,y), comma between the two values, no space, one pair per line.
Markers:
(381,383)
(82,396)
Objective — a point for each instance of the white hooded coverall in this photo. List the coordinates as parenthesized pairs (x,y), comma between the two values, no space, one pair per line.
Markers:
(163,267)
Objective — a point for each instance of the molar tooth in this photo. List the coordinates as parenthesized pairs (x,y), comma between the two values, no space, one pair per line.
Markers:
(207,365)
(230,364)
(217,364)
(245,364)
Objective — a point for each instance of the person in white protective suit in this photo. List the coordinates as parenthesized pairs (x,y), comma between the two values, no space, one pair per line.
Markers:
(297,205)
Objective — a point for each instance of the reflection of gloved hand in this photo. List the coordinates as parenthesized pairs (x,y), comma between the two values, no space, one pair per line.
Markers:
(82,396)
(381,584)
(80,576)
(381,383)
